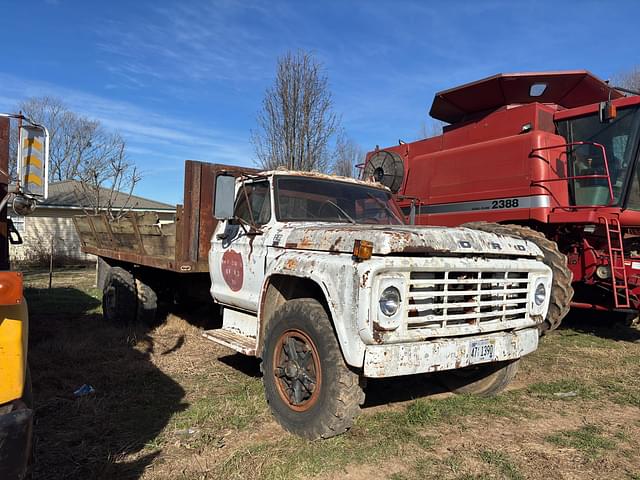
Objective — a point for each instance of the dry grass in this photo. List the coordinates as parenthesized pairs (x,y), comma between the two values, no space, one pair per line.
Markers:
(171,405)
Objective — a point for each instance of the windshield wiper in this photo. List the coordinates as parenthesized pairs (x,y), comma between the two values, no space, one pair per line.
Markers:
(341,210)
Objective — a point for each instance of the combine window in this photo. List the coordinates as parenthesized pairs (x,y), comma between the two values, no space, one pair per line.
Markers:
(620,139)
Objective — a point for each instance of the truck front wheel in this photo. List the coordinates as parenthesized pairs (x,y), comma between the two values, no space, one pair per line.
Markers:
(309,388)
(486,380)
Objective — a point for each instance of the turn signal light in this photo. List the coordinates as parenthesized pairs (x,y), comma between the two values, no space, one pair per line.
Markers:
(362,249)
(10,288)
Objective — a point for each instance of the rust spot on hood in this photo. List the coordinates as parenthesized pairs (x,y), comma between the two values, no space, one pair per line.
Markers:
(335,246)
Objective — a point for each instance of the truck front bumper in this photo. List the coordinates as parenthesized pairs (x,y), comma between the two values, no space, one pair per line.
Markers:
(445,353)
(15,441)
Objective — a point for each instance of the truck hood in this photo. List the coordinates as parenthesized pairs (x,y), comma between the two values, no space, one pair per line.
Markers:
(392,239)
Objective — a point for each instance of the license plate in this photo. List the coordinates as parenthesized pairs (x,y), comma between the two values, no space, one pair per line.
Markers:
(481,351)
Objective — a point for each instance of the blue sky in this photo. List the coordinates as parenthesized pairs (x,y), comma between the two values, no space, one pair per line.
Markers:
(185,79)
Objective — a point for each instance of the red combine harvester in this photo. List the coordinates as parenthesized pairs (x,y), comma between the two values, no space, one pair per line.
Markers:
(551,157)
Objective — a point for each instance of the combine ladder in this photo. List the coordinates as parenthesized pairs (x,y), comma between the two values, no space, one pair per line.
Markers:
(616,262)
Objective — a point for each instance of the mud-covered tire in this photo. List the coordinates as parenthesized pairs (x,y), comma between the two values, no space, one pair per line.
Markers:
(561,289)
(335,396)
(119,298)
(484,380)
(147,303)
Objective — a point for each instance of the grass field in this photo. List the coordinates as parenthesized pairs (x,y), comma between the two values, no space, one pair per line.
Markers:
(169,404)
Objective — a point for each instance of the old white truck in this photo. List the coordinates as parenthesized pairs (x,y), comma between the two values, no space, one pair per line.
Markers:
(320,278)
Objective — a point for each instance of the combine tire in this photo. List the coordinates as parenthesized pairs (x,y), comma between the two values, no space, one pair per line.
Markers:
(119,298)
(485,380)
(309,388)
(561,289)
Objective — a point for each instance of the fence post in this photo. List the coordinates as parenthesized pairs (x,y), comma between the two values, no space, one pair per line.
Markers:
(51,262)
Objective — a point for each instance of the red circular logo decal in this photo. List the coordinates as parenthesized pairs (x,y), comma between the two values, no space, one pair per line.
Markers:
(232,271)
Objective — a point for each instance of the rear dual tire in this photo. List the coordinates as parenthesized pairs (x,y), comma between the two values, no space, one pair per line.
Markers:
(127,300)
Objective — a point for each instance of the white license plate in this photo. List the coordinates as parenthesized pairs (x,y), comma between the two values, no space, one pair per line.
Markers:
(482,351)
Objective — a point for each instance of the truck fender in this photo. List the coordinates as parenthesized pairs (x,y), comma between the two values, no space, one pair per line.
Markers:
(278,287)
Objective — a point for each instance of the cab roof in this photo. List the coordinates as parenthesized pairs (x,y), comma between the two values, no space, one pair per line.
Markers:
(567,89)
(322,176)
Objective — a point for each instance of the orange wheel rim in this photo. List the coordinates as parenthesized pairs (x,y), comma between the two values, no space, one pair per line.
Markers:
(296,370)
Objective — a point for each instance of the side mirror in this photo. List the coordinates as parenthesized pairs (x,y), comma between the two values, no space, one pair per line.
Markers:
(33,161)
(607,111)
(225,197)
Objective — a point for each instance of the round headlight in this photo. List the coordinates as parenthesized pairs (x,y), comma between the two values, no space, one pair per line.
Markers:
(390,301)
(540,294)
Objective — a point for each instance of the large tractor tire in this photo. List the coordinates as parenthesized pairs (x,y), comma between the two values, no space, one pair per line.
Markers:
(119,297)
(561,289)
(309,388)
(484,380)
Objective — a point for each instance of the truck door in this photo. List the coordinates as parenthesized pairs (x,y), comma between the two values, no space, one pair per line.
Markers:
(238,255)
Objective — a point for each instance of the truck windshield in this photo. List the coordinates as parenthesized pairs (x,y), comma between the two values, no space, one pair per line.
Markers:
(304,199)
(619,138)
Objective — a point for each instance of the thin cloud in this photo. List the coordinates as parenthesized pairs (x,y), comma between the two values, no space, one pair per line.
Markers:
(156,142)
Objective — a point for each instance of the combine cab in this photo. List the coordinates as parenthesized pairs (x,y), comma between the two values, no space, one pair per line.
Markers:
(551,157)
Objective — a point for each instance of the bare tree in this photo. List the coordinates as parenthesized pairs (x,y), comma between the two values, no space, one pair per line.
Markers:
(297,120)
(347,155)
(629,79)
(82,149)
(107,182)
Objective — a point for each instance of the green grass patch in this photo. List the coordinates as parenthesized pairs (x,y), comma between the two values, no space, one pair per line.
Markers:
(587,439)
(558,390)
(502,463)
(66,301)
(572,338)
(623,391)
(425,412)
(238,407)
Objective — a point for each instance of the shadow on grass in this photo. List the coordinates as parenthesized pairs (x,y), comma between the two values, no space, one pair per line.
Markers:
(606,325)
(381,391)
(112,433)
(250,366)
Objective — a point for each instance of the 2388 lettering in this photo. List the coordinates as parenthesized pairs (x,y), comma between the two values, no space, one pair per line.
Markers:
(508,203)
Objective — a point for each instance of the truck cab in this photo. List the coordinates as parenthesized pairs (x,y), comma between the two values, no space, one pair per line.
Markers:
(320,277)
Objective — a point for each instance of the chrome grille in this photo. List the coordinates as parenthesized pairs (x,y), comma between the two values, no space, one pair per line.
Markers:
(466,298)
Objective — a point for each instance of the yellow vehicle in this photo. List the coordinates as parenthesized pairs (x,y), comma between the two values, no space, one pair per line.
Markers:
(16,408)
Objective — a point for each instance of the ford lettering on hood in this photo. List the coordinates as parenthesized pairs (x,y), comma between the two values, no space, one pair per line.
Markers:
(394,239)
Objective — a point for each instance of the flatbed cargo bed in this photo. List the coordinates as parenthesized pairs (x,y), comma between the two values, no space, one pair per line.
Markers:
(139,238)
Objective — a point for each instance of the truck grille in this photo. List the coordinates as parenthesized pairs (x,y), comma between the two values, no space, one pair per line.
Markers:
(467,298)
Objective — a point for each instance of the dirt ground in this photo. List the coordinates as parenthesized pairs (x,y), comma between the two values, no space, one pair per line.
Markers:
(169,404)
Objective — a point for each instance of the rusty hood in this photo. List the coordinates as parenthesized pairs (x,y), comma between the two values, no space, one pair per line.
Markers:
(391,239)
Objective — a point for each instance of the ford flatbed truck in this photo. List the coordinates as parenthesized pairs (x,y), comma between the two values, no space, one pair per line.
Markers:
(320,278)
